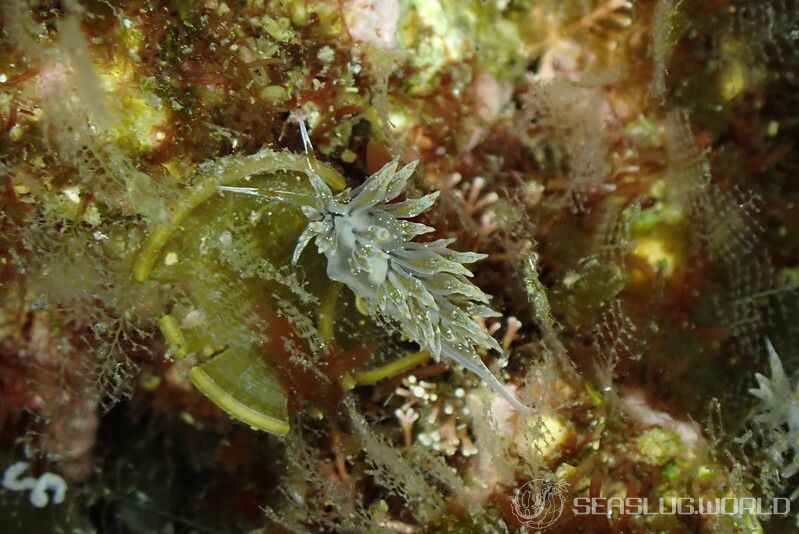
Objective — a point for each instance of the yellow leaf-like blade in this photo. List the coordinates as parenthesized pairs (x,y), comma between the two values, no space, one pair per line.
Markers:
(245,386)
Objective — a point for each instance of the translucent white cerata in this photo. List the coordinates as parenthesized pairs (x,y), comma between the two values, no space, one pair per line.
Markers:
(422,287)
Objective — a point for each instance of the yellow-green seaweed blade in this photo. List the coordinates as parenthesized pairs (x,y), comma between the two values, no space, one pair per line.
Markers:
(375,375)
(245,386)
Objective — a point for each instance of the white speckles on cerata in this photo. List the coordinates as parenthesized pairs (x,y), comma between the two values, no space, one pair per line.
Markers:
(422,287)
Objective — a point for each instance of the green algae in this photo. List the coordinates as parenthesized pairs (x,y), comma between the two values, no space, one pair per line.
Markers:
(228,171)
(239,380)
(244,385)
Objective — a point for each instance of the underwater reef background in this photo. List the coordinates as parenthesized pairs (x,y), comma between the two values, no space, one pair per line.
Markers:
(553,240)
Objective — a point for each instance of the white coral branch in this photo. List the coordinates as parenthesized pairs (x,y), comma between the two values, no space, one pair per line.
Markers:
(779,411)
